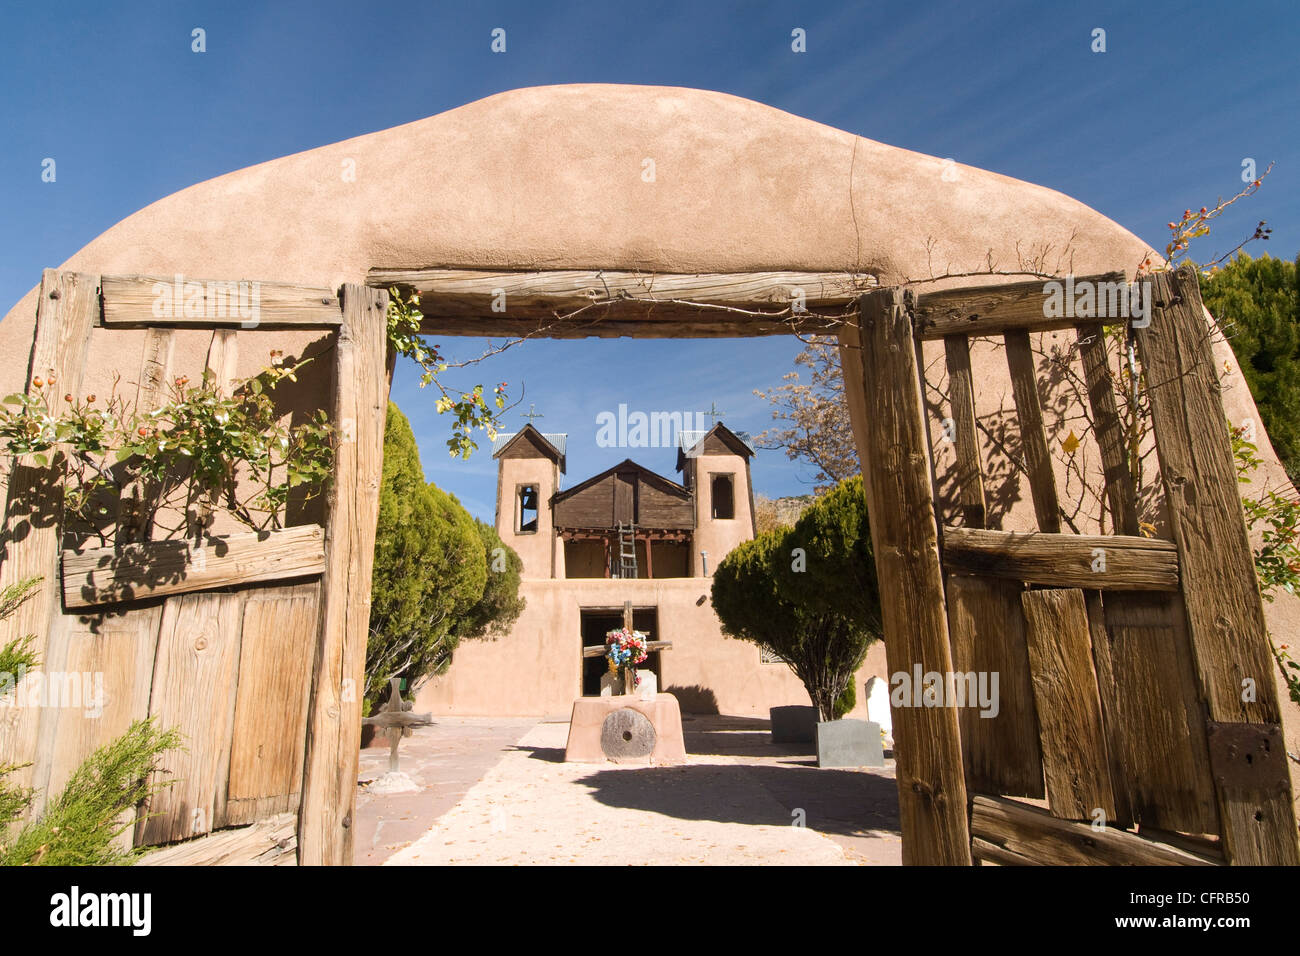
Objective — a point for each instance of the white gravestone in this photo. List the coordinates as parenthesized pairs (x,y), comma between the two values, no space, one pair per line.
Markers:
(878,708)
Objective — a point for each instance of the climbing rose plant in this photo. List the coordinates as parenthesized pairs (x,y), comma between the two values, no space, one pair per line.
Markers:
(202,449)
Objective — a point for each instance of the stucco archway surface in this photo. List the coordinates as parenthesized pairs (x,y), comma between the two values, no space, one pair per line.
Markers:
(553,178)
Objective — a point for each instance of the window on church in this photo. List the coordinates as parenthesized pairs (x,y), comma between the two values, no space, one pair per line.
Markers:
(724,497)
(527,509)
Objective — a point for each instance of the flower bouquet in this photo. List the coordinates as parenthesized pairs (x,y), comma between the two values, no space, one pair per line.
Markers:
(626,648)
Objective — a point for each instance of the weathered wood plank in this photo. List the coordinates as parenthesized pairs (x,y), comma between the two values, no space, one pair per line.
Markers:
(578,303)
(987,852)
(183,301)
(1120,492)
(155,369)
(1111,718)
(1161,743)
(1000,752)
(1228,631)
(1098,562)
(997,309)
(1208,848)
(1068,705)
(221,367)
(29,541)
(223,357)
(969,474)
(1229,636)
(1033,439)
(156,568)
(193,681)
(1039,836)
(151,392)
(362,376)
(111,657)
(268,742)
(931,781)
(269,842)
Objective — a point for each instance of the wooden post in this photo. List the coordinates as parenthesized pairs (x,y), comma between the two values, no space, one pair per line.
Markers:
(900,499)
(961,399)
(1033,440)
(1109,431)
(66,311)
(362,374)
(1225,613)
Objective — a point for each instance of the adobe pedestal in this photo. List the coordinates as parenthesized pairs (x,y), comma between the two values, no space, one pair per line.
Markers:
(626,729)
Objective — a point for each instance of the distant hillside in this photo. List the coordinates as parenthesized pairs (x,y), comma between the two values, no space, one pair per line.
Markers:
(772,513)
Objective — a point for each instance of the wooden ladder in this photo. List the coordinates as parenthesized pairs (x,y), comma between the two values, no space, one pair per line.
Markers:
(627,550)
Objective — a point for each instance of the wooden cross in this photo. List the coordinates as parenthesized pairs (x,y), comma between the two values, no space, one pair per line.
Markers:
(598,650)
(397,720)
(532,413)
(713,412)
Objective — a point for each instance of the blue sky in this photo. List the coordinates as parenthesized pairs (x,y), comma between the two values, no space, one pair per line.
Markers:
(1159,122)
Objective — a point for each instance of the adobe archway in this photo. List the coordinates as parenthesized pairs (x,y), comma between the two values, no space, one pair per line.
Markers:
(553,179)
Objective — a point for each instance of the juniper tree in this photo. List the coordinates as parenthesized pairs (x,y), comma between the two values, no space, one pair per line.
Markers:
(808,594)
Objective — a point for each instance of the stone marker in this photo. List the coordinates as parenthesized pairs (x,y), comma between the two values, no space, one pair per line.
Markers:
(849,743)
(878,708)
(793,724)
(611,684)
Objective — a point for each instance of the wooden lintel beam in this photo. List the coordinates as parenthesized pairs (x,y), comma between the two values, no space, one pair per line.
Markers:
(607,303)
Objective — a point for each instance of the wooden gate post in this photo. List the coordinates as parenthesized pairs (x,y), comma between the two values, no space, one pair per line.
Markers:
(905,539)
(361,384)
(1225,613)
(66,311)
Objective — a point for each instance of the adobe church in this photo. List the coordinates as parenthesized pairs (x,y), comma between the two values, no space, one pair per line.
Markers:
(626,534)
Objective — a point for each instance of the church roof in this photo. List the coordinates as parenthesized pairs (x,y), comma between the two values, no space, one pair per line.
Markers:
(627,464)
(691,443)
(552,444)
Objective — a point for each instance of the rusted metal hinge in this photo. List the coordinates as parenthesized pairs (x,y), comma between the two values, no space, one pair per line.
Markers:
(1247,756)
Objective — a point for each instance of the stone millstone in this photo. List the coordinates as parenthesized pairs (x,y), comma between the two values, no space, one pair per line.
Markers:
(627,733)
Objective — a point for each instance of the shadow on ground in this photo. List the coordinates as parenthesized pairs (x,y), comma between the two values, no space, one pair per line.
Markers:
(843,802)
(736,737)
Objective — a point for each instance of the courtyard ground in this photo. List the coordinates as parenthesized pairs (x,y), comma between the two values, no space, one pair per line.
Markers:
(497,791)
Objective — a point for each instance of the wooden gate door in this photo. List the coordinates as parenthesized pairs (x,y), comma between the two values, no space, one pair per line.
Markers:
(252,644)
(1138,719)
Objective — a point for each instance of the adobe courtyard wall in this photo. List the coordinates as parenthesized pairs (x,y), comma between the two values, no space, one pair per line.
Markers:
(536,670)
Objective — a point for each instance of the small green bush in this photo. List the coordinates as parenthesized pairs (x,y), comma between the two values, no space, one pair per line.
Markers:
(79,826)
(846,701)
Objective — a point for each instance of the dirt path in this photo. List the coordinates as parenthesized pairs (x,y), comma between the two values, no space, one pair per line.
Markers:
(738,800)
(446,759)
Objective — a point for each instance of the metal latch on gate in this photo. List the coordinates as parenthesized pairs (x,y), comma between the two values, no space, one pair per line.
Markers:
(1247,756)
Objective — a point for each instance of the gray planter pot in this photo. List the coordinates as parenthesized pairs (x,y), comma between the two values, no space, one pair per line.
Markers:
(793,724)
(849,743)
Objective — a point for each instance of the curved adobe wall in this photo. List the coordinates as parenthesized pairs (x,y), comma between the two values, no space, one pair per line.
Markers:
(552,177)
